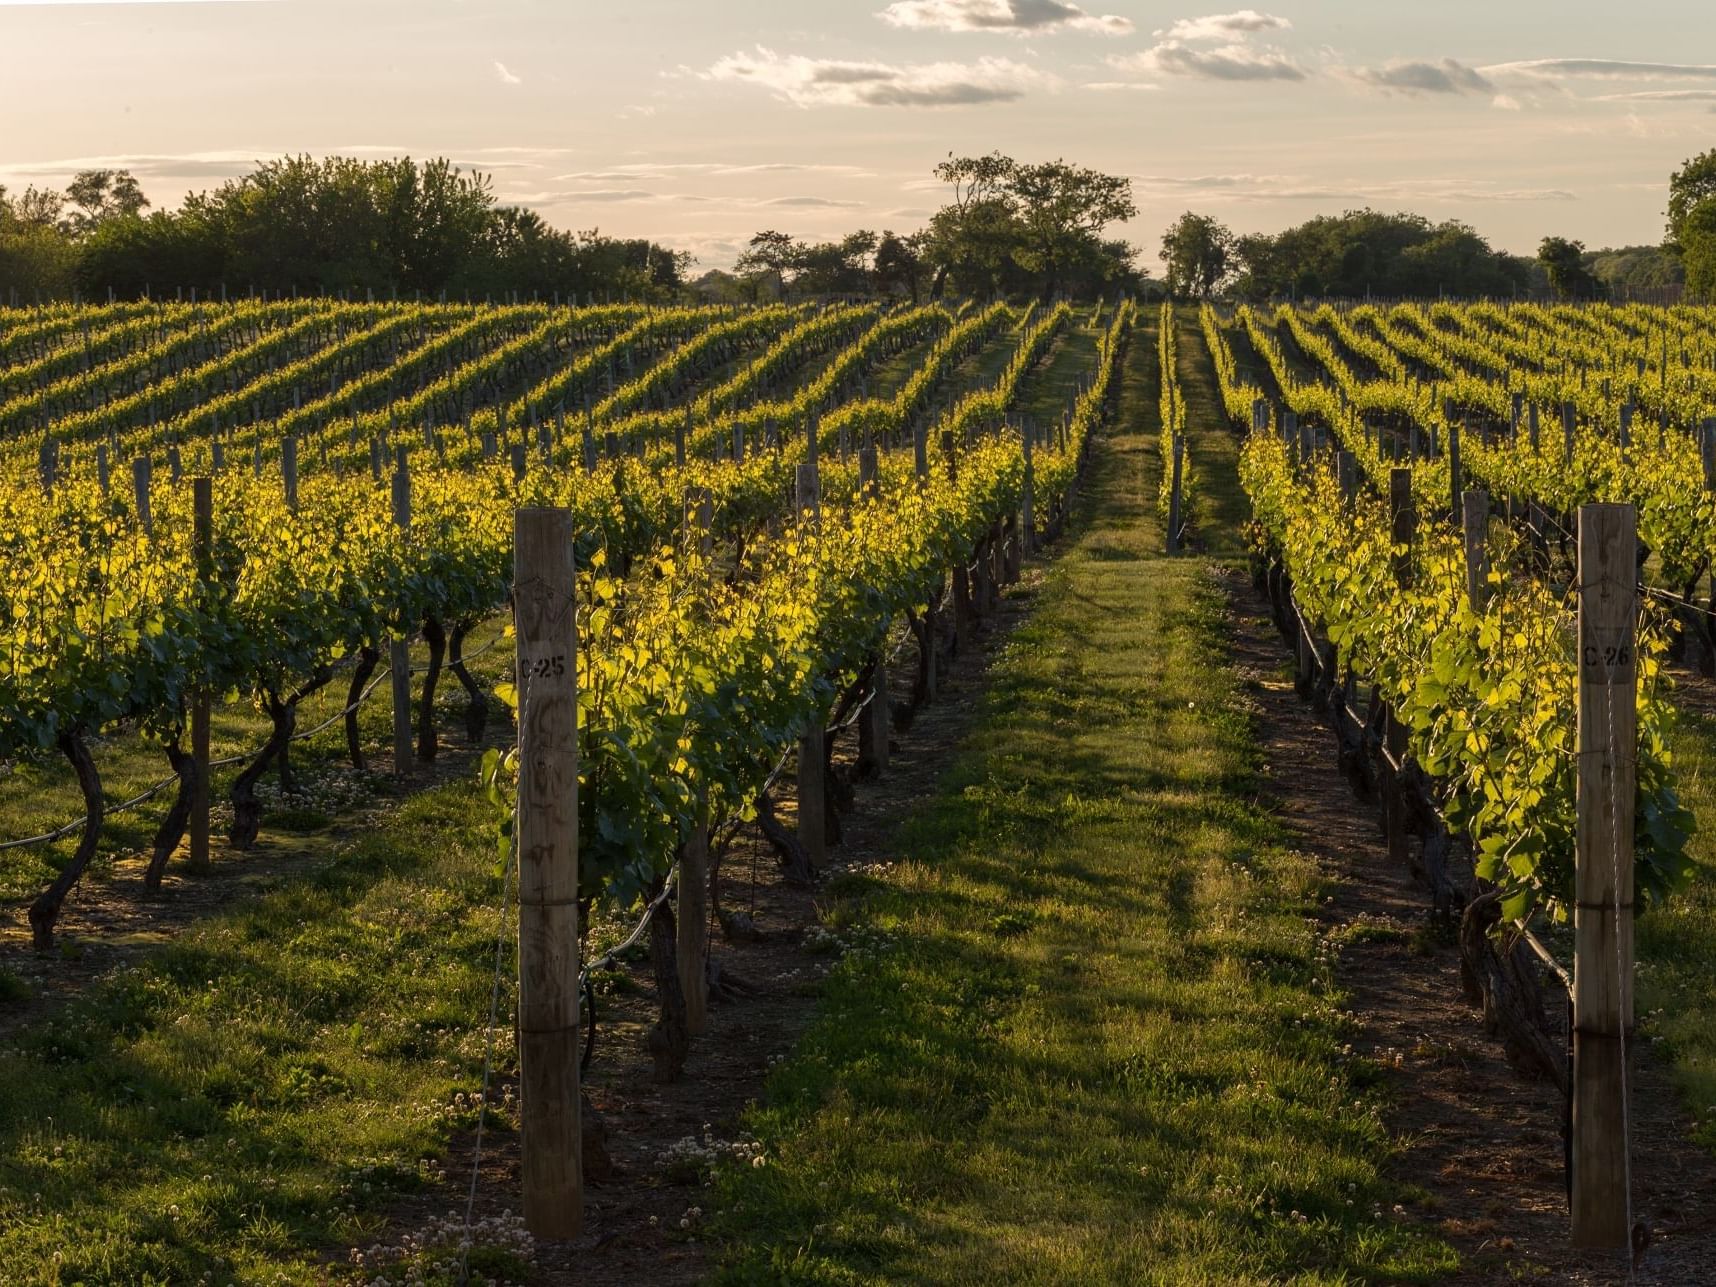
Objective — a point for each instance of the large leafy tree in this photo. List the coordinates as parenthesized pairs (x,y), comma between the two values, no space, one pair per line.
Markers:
(1062,210)
(1692,221)
(1198,252)
(1564,261)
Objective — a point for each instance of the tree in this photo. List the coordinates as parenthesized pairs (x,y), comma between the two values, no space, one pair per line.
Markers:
(971,237)
(897,265)
(1564,261)
(1197,251)
(1698,248)
(100,195)
(1062,210)
(770,254)
(1688,188)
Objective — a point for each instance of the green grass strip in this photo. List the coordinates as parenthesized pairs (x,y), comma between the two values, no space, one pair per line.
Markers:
(1091,1036)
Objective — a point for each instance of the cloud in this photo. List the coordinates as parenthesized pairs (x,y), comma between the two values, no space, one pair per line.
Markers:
(506,77)
(1415,78)
(1223,26)
(1221,62)
(821,203)
(1109,86)
(1284,187)
(1603,68)
(1661,96)
(1015,17)
(822,82)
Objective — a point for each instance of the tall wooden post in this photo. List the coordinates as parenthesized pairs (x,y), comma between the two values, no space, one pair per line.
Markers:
(547,843)
(812,747)
(1603,875)
(1455,477)
(692,923)
(140,489)
(1346,473)
(1174,494)
(202,544)
(1403,524)
(1475,527)
(1028,495)
(289,470)
(398,650)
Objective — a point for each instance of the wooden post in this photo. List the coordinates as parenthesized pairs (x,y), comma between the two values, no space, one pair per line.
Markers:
(1603,876)
(140,489)
(1568,427)
(1403,521)
(812,747)
(1174,494)
(692,923)
(680,429)
(1346,472)
(1475,527)
(1456,482)
(1028,495)
(202,540)
(289,470)
(547,847)
(920,451)
(398,650)
(1531,424)
(519,461)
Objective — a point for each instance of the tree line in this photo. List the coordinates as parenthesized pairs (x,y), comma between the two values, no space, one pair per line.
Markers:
(1006,228)
(332,226)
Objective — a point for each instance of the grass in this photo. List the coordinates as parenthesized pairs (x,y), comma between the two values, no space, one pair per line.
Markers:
(1091,1036)
(247,1102)
(1676,993)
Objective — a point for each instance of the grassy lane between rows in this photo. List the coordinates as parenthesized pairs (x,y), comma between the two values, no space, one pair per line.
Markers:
(246,1103)
(1092,1038)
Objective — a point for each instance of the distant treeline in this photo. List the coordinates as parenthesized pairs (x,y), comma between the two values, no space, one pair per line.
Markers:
(332,226)
(1368,253)
(403,228)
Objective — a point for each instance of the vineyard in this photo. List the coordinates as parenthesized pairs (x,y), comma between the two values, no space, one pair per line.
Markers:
(590,622)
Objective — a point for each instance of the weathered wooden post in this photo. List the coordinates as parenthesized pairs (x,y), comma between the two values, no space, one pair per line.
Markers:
(547,845)
(399,650)
(1174,494)
(812,747)
(1569,426)
(692,924)
(1455,478)
(1603,876)
(1346,473)
(1475,528)
(289,470)
(878,714)
(1028,495)
(140,489)
(202,545)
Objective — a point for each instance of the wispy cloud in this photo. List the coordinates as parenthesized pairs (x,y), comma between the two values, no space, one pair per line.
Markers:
(821,203)
(1413,78)
(1223,26)
(823,82)
(1603,68)
(1287,187)
(1016,17)
(1661,96)
(506,77)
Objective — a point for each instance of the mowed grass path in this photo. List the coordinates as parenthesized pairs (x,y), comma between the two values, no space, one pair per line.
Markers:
(1098,1042)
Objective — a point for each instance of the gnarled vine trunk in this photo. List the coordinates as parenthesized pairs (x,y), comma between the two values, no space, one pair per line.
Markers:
(368,659)
(172,828)
(477,712)
(45,911)
(436,638)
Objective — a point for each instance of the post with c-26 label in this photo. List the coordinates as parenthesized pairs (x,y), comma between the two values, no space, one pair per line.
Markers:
(546,832)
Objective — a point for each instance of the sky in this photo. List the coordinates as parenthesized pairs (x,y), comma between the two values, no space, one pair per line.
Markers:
(700,122)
